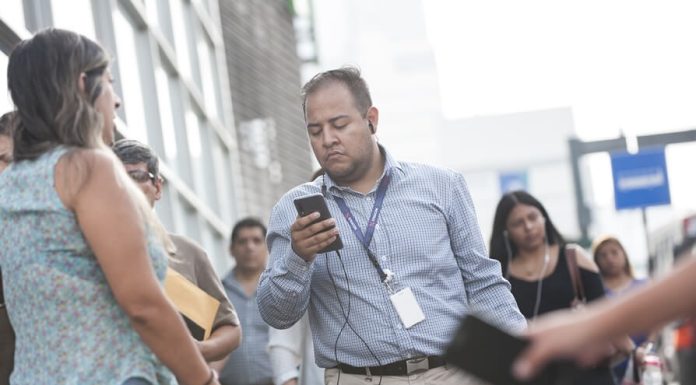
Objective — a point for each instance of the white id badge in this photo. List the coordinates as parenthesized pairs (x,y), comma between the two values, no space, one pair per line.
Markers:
(407,307)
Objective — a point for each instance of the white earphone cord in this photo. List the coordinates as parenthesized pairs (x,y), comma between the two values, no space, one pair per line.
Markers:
(537,303)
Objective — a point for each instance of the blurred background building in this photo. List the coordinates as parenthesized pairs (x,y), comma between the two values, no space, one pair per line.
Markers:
(490,89)
(497,89)
(219,105)
(265,84)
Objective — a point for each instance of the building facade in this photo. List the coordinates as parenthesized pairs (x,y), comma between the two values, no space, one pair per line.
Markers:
(265,83)
(171,71)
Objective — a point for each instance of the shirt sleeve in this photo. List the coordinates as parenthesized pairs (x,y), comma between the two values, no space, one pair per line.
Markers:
(209,282)
(592,283)
(488,294)
(283,292)
(285,364)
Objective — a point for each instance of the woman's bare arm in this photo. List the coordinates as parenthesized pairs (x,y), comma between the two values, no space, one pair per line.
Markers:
(569,335)
(222,341)
(109,218)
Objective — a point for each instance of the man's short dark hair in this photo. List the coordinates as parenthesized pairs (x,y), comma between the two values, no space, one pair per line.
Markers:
(133,152)
(6,123)
(246,223)
(350,77)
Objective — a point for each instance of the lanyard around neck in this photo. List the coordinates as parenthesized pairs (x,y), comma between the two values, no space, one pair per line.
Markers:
(371,223)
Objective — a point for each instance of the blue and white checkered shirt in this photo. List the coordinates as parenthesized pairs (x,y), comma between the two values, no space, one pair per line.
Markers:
(250,363)
(427,234)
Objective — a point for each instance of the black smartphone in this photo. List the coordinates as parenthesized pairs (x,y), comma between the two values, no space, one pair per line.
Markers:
(311,203)
(488,353)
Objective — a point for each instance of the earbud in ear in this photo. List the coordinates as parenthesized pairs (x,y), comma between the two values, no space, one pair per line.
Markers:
(372,128)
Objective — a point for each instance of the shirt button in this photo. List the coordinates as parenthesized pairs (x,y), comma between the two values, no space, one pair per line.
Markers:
(384,257)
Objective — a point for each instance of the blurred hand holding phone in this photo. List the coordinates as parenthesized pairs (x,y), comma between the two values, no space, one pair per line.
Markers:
(315,203)
(488,353)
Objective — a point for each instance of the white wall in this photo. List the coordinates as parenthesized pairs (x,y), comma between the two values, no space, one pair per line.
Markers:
(533,142)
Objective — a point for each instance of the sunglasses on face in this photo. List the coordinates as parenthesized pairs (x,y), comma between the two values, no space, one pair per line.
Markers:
(141,176)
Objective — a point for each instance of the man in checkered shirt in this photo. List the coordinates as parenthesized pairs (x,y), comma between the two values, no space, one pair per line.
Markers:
(386,307)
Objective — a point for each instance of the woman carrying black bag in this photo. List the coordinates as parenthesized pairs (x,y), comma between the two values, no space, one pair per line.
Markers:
(540,266)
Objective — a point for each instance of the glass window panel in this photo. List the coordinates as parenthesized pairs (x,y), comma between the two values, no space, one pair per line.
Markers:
(209,242)
(205,3)
(178,212)
(194,29)
(151,8)
(208,77)
(130,78)
(219,253)
(202,163)
(164,209)
(160,13)
(5,99)
(209,174)
(75,16)
(181,46)
(13,13)
(193,129)
(166,114)
(194,136)
(192,222)
(222,177)
(183,156)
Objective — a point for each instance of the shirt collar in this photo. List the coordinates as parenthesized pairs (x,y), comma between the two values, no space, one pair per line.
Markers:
(390,164)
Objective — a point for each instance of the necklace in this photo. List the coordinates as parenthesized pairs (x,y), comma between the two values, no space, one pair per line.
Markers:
(531,270)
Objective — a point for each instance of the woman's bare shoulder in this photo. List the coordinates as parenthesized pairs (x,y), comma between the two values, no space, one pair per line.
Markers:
(77,167)
(584,260)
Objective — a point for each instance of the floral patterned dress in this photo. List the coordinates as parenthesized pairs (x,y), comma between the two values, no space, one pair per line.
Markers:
(69,328)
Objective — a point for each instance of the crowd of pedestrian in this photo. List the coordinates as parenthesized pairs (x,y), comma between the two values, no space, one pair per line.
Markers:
(87,268)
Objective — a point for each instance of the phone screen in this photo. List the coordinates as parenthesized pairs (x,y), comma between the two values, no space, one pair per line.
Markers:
(316,203)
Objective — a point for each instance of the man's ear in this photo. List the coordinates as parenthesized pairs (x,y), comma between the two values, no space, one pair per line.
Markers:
(159,186)
(372,118)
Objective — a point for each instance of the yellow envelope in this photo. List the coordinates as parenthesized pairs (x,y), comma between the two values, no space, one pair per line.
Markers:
(196,306)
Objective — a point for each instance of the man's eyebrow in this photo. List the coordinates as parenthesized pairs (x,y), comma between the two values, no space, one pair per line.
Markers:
(337,118)
(332,120)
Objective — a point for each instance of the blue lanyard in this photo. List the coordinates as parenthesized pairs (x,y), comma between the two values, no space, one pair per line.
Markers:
(371,223)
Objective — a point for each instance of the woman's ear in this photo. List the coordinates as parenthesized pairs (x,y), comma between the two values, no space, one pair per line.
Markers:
(81,82)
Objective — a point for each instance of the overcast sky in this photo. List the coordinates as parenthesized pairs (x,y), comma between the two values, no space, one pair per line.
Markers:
(620,64)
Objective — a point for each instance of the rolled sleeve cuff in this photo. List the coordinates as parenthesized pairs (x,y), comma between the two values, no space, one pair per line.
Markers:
(283,377)
(298,267)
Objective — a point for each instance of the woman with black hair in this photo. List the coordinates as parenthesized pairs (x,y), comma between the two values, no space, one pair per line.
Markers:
(535,259)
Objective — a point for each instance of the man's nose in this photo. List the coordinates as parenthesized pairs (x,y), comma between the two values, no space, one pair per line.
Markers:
(328,138)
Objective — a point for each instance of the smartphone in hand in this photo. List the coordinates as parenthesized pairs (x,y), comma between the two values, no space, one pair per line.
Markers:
(311,203)
(488,353)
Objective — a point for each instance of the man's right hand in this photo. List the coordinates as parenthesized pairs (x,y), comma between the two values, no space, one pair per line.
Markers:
(308,238)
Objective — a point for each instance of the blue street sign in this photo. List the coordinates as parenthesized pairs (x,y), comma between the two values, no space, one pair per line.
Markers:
(640,180)
(511,181)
